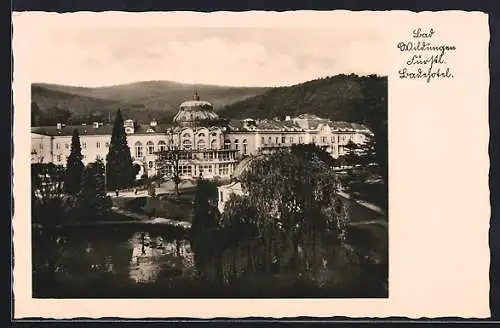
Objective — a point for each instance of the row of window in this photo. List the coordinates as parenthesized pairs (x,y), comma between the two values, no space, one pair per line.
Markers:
(222,155)
(291,139)
(283,140)
(83,145)
(187,170)
(59,157)
(206,156)
(150,148)
(200,135)
(187,144)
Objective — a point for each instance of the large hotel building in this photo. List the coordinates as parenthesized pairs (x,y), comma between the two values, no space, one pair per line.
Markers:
(215,148)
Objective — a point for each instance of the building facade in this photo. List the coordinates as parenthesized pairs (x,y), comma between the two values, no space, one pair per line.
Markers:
(214,146)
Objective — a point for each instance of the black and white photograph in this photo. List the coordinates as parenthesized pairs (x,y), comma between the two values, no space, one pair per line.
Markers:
(209,162)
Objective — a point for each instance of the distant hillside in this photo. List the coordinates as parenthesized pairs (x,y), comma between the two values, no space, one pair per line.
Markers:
(161,95)
(340,97)
(141,100)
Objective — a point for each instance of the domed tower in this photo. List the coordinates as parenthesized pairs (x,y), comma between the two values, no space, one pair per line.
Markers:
(196,111)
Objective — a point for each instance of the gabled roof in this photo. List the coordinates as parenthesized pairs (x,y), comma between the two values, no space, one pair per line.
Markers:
(307,116)
(339,125)
(89,129)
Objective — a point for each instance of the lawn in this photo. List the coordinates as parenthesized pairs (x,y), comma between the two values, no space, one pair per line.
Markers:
(166,206)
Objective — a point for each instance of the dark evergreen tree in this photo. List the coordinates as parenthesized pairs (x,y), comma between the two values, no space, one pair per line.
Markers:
(311,151)
(92,199)
(119,168)
(204,237)
(74,167)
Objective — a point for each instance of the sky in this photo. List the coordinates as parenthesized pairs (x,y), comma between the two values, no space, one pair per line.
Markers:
(239,56)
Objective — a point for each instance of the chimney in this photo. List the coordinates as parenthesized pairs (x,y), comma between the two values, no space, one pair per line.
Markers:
(59,126)
(129,126)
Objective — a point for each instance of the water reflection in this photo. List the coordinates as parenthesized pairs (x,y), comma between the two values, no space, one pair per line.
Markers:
(124,262)
(152,255)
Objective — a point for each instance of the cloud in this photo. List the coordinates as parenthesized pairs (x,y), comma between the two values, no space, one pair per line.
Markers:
(221,56)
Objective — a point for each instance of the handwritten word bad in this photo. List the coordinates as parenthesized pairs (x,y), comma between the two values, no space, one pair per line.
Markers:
(419,34)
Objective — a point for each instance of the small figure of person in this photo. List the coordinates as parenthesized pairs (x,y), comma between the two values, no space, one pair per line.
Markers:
(135,191)
(117,193)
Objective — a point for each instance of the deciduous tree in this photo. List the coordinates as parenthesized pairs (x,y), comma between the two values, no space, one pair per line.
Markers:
(291,195)
(169,164)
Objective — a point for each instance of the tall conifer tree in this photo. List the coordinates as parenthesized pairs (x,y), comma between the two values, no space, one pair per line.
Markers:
(74,166)
(119,168)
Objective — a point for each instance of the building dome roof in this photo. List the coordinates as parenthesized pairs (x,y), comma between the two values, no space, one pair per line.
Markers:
(193,111)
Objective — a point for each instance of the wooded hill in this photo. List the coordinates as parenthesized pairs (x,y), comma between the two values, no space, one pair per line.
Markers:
(340,97)
(142,101)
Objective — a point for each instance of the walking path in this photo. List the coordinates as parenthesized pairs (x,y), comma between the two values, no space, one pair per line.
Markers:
(361,223)
(137,219)
(370,206)
(129,194)
(142,218)
(145,219)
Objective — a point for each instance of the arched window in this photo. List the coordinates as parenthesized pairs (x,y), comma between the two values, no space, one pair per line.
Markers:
(138,149)
(236,144)
(186,135)
(269,140)
(201,135)
(150,146)
(186,144)
(201,144)
(213,144)
(227,144)
(245,147)
(150,165)
(162,146)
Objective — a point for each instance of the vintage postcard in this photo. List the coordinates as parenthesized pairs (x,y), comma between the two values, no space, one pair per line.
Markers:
(270,164)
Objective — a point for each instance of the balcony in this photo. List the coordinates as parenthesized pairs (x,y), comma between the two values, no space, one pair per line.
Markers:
(277,145)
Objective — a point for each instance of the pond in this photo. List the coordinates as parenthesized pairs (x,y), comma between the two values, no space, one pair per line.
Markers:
(158,261)
(123,262)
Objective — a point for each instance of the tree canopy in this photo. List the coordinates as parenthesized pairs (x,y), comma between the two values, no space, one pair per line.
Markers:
(285,219)
(119,167)
(93,203)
